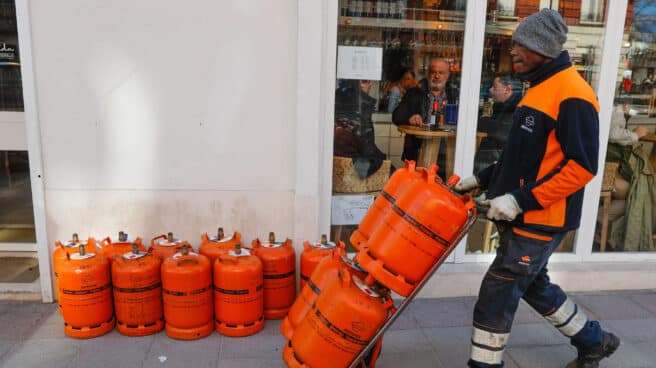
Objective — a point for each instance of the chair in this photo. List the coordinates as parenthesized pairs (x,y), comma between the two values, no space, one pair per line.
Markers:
(607,185)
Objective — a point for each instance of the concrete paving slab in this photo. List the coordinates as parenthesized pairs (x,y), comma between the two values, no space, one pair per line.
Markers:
(611,306)
(16,327)
(636,330)
(419,359)
(405,341)
(646,300)
(122,351)
(48,326)
(446,312)
(406,320)
(5,346)
(554,356)
(202,353)
(258,346)
(58,353)
(251,363)
(536,334)
(638,355)
(451,344)
(271,327)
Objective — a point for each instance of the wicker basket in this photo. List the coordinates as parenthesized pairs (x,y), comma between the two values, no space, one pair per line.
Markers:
(610,170)
(346,180)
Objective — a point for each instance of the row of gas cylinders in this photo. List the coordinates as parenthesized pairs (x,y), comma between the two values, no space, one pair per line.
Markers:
(413,224)
(224,286)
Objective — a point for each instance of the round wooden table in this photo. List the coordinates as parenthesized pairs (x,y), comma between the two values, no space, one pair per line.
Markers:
(430,146)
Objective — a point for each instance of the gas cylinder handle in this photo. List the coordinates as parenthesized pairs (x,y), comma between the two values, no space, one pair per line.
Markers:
(430,173)
(106,242)
(345,276)
(138,241)
(287,243)
(152,241)
(204,238)
(59,244)
(469,202)
(306,245)
(452,181)
(91,244)
(256,243)
(410,165)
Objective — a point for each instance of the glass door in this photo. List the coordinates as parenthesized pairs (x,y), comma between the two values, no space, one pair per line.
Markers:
(501,89)
(18,257)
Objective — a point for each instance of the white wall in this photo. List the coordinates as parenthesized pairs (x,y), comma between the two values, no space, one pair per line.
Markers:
(167,116)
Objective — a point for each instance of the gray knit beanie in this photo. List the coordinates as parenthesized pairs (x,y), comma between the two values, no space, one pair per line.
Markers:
(543,32)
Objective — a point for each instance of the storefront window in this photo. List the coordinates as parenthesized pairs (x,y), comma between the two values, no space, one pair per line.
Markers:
(16,213)
(399,65)
(627,219)
(501,89)
(11,96)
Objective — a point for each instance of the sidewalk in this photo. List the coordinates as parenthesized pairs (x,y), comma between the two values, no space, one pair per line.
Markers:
(431,333)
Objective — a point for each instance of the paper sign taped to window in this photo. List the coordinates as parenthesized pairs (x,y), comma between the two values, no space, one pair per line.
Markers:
(356,62)
(350,209)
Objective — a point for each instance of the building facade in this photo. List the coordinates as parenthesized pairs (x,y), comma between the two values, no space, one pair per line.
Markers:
(157,117)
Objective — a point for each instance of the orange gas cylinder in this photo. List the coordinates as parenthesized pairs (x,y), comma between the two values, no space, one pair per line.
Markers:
(325,273)
(238,296)
(279,265)
(213,247)
(420,229)
(187,288)
(396,185)
(84,291)
(137,281)
(345,317)
(120,245)
(70,247)
(164,246)
(313,253)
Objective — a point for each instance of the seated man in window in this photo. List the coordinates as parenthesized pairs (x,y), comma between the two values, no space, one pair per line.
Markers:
(498,125)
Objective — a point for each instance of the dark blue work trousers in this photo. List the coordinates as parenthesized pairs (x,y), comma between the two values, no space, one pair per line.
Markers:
(520,271)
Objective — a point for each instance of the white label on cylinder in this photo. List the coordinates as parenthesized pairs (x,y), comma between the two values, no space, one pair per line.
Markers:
(244,253)
(130,255)
(79,257)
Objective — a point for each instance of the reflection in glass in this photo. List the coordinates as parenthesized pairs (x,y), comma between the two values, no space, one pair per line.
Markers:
(421,44)
(501,90)
(16,214)
(627,220)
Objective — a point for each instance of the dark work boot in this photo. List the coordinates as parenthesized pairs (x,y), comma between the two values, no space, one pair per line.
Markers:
(592,358)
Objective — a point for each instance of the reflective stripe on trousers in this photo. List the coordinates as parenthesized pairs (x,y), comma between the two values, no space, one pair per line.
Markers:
(488,346)
(568,319)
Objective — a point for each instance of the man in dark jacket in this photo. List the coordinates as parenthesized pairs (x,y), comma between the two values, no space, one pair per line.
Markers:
(498,125)
(537,193)
(354,129)
(419,103)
